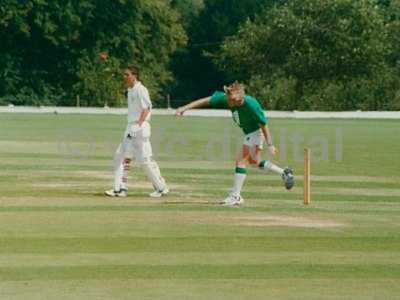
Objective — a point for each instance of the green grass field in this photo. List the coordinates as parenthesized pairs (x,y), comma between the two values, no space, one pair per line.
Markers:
(60,238)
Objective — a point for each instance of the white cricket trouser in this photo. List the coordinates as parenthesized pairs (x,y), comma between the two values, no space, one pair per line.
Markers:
(136,143)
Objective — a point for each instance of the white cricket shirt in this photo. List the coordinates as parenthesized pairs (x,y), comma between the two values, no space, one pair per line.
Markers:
(138,100)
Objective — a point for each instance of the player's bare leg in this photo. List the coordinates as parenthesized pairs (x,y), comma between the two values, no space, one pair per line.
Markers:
(286,174)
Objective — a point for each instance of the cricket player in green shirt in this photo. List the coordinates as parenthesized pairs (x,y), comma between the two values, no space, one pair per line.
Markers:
(249,115)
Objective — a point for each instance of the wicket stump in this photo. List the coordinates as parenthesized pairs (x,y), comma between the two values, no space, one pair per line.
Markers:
(307,179)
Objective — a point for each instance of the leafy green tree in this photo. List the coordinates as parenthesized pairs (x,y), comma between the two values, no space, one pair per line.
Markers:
(142,32)
(188,10)
(100,81)
(311,54)
(197,75)
(36,36)
(47,46)
(392,13)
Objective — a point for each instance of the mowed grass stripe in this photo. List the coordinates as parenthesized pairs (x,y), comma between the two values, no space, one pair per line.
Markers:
(71,180)
(183,173)
(181,207)
(73,165)
(240,271)
(188,198)
(205,244)
(40,181)
(224,289)
(52,157)
(257,193)
(45,184)
(277,182)
(205,258)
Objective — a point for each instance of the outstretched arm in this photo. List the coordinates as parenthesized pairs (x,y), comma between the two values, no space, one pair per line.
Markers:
(195,104)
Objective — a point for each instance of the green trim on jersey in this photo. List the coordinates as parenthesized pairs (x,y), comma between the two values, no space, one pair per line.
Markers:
(248,116)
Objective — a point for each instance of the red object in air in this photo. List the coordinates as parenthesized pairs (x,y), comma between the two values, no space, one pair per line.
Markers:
(103,56)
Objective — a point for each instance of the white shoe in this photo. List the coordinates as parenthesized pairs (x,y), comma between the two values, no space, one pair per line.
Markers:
(158,194)
(233,200)
(113,193)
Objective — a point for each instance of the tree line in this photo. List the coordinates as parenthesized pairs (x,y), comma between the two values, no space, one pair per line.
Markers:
(291,55)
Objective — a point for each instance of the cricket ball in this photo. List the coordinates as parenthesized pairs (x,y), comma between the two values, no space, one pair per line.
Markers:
(103,56)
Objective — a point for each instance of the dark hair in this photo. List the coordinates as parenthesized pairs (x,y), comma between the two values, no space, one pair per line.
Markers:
(134,70)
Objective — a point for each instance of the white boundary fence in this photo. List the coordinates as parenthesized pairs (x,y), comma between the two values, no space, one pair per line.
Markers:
(206,112)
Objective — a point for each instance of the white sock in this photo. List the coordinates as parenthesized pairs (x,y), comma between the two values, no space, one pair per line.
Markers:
(268,166)
(238,181)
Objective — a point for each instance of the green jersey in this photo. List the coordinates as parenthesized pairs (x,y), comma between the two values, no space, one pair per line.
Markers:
(248,116)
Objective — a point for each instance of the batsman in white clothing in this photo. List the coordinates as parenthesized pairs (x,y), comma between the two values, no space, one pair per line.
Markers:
(136,140)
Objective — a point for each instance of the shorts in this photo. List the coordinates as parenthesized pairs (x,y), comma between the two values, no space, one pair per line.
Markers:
(136,142)
(255,138)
